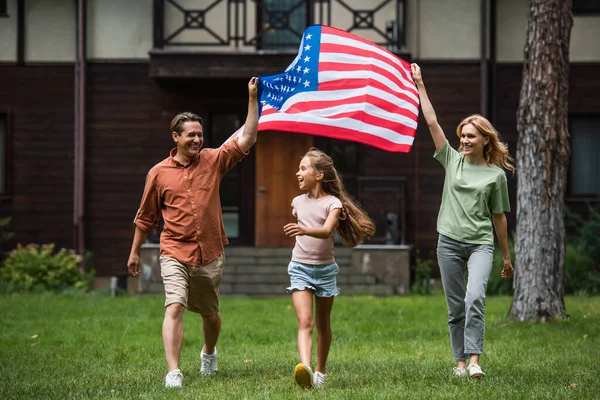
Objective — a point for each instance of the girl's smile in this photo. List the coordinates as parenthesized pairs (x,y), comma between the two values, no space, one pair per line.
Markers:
(307,176)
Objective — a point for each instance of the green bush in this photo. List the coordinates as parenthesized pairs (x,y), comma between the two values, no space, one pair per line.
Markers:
(580,277)
(585,233)
(5,235)
(582,273)
(422,280)
(37,268)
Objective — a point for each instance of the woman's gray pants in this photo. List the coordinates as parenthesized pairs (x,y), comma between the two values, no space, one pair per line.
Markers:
(466,303)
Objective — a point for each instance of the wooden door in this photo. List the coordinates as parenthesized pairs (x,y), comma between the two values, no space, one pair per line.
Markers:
(278,155)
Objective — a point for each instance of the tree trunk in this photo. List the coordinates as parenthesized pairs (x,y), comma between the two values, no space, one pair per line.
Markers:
(542,163)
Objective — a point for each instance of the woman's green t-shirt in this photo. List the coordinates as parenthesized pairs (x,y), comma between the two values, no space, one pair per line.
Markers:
(471,195)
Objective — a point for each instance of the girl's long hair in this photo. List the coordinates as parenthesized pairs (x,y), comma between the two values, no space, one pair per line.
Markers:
(495,151)
(354,224)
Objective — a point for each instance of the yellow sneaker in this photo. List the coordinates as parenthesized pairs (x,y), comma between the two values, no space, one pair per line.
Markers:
(303,376)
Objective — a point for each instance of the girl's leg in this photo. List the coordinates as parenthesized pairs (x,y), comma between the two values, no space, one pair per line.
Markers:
(480,266)
(303,300)
(322,319)
(450,260)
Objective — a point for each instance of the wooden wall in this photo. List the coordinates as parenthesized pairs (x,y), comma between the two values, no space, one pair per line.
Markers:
(128,115)
(40,101)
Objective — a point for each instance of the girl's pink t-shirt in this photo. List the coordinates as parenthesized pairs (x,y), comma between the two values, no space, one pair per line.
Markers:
(312,213)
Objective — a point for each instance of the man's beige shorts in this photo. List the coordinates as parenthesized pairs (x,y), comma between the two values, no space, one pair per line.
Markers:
(194,287)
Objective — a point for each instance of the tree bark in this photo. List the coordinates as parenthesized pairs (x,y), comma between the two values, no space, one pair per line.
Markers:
(542,163)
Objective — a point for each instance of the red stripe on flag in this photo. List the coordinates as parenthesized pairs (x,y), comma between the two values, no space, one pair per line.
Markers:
(359,83)
(343,49)
(305,106)
(310,128)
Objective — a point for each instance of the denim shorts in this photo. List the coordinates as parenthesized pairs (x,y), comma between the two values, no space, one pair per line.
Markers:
(321,279)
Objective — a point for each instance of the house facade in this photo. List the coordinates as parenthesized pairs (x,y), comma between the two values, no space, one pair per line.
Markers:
(88,88)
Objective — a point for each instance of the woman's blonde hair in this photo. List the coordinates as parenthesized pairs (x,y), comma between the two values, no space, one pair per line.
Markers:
(354,225)
(495,151)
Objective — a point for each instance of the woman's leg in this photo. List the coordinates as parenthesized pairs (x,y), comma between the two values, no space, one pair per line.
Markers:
(480,266)
(450,260)
(323,321)
(303,300)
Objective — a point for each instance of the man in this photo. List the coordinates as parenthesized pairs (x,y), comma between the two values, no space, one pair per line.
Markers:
(184,188)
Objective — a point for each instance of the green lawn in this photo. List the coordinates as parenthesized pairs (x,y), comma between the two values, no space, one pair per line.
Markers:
(93,346)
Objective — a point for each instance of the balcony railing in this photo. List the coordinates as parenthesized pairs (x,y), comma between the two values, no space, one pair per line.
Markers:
(273,24)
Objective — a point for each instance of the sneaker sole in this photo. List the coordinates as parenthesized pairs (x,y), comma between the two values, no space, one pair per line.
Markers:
(302,376)
(478,375)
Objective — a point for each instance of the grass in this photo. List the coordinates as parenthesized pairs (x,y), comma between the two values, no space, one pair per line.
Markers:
(92,346)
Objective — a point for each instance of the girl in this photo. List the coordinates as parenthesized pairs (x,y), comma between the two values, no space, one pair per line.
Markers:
(475,197)
(325,208)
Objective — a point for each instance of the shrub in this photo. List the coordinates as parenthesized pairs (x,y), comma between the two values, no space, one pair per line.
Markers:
(580,277)
(37,268)
(422,280)
(583,250)
(5,235)
(585,232)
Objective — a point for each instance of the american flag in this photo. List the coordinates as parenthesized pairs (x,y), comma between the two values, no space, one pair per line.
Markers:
(344,87)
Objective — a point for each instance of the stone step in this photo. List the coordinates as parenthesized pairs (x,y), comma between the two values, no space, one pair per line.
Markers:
(251,271)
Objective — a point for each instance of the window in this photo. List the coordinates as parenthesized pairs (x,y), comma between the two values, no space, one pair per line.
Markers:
(282,23)
(584,175)
(583,7)
(221,127)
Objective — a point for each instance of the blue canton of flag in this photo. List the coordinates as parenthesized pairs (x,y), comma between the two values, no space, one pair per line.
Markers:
(300,76)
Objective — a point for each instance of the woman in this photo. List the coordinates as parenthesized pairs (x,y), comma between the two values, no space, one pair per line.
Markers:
(474,200)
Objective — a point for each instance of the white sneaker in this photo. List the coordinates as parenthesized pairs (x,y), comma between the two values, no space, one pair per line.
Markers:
(475,371)
(174,379)
(209,363)
(460,372)
(319,379)
(303,376)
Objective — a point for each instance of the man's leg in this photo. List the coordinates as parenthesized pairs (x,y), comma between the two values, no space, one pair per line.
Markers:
(212,327)
(175,279)
(172,332)
(205,281)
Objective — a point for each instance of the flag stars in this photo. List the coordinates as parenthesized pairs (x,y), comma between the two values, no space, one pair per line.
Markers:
(299,69)
(306,83)
(307,47)
(308,36)
(306,70)
(306,59)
